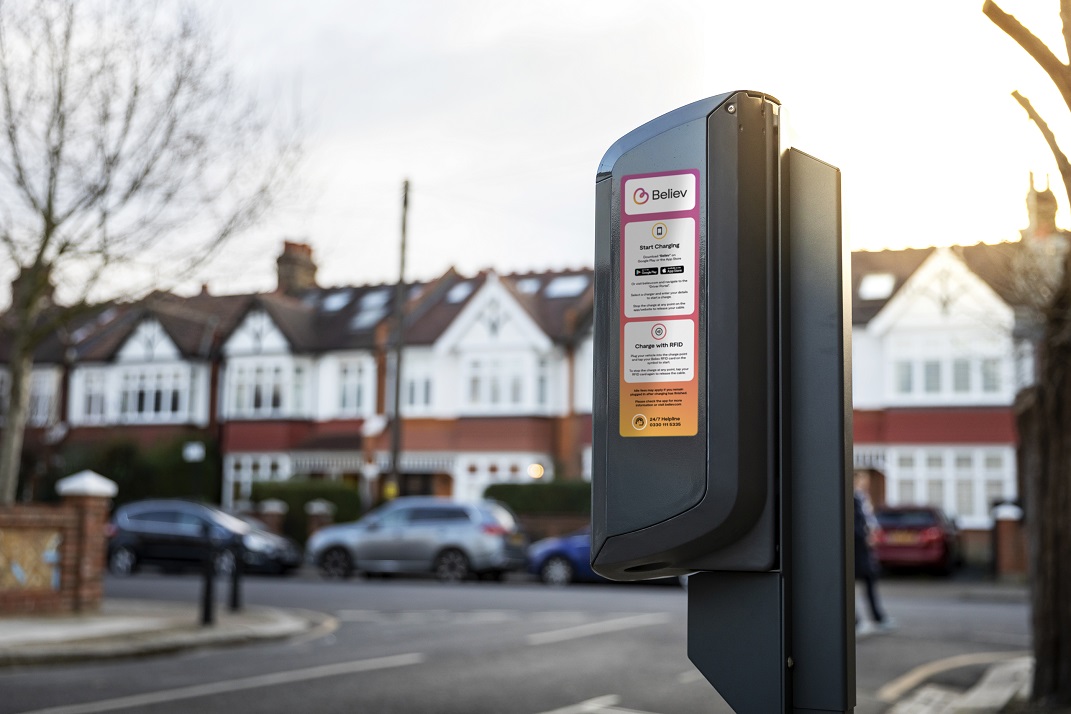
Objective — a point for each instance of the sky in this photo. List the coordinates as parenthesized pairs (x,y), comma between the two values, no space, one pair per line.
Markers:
(498,114)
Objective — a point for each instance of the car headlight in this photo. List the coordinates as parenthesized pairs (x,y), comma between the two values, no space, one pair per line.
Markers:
(257,543)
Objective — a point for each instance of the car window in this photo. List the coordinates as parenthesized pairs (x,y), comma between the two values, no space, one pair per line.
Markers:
(153,517)
(440,514)
(907,519)
(397,517)
(189,519)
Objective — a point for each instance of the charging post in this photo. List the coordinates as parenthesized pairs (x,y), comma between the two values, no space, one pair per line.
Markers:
(722,414)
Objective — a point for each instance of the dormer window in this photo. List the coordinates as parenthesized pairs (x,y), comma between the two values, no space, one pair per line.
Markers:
(876,286)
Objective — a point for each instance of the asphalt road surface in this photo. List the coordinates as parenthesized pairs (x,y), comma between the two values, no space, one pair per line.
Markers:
(414,646)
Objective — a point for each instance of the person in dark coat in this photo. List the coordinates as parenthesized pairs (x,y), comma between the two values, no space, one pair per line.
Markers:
(866,568)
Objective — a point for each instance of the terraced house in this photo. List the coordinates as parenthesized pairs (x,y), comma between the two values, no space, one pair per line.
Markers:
(495,380)
(496,377)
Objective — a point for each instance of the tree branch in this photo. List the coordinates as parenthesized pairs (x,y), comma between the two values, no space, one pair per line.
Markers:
(1059,72)
(1061,158)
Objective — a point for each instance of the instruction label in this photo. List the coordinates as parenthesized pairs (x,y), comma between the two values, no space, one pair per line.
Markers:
(659,253)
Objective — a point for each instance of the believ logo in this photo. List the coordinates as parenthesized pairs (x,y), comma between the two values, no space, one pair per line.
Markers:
(640,196)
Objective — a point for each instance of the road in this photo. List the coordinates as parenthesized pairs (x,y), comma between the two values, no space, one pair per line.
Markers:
(417,646)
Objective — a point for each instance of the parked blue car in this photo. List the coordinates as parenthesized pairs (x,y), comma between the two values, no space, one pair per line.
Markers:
(567,559)
(563,560)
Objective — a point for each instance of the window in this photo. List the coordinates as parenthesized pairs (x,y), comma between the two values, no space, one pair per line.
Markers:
(935,492)
(93,402)
(146,394)
(931,376)
(903,377)
(351,392)
(566,286)
(475,383)
(277,389)
(990,375)
(876,286)
(541,383)
(994,490)
(266,389)
(500,384)
(299,390)
(906,461)
(964,497)
(42,399)
(961,375)
(907,490)
(935,462)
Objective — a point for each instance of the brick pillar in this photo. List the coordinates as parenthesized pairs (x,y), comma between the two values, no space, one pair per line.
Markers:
(273,512)
(90,495)
(320,513)
(1010,543)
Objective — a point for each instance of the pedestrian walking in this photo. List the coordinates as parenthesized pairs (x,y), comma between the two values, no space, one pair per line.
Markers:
(866,567)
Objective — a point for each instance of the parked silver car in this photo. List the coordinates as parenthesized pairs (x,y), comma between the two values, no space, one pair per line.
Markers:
(423,534)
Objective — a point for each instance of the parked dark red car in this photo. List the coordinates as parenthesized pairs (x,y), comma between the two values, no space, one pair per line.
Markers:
(917,537)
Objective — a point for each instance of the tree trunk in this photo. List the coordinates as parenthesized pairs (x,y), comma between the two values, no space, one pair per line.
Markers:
(1044,424)
(14,426)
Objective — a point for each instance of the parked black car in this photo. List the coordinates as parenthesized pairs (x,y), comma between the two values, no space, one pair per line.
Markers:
(170,533)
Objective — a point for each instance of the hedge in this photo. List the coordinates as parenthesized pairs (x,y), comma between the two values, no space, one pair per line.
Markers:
(297,493)
(539,498)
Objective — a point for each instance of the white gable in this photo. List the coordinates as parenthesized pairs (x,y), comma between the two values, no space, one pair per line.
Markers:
(942,292)
(493,320)
(257,334)
(148,343)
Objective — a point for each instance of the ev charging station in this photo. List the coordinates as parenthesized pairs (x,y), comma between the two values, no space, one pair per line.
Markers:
(722,404)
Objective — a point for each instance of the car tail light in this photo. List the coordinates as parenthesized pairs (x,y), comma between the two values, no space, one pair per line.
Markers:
(931,535)
(110,530)
(879,536)
(493,529)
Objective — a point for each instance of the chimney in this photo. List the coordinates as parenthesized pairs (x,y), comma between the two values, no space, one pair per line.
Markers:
(295,268)
(1041,208)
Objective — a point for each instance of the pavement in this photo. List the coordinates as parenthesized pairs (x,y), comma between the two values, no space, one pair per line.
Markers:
(135,628)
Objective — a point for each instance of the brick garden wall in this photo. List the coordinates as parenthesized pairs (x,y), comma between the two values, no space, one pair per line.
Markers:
(52,557)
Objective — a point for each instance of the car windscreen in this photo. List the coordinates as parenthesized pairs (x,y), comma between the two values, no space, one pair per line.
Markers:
(231,523)
(501,515)
(907,519)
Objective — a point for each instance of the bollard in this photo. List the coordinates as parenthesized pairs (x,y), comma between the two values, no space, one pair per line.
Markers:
(236,577)
(208,599)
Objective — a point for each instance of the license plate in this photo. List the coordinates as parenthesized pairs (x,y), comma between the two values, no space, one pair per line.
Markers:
(902,538)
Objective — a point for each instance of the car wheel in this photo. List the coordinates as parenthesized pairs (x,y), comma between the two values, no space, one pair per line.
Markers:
(223,561)
(556,571)
(452,566)
(123,561)
(336,563)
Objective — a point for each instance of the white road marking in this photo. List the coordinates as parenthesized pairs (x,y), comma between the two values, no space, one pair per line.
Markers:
(236,685)
(896,689)
(588,707)
(692,675)
(359,615)
(598,705)
(598,628)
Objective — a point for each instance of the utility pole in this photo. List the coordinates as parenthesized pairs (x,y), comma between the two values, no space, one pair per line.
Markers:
(394,475)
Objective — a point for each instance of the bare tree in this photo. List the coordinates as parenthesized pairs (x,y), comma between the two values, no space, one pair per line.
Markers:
(124,144)
(1043,415)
